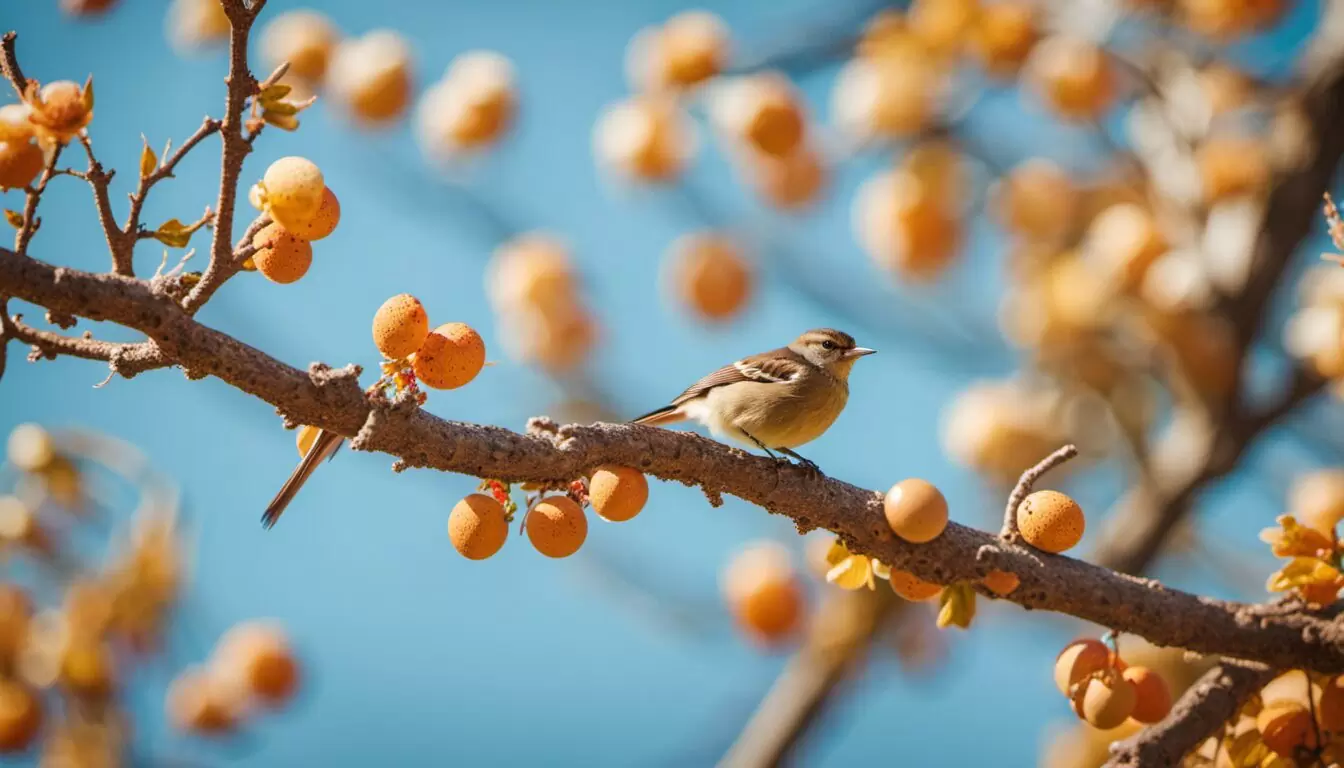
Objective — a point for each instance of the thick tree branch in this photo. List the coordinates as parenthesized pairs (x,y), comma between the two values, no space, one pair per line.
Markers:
(1200,713)
(552,454)
(128,360)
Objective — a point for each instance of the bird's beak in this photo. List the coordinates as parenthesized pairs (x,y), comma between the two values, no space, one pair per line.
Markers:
(859,352)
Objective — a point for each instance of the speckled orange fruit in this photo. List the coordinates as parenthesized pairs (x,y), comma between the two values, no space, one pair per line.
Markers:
(911,587)
(293,187)
(556,526)
(617,493)
(323,222)
(400,326)
(915,510)
(199,703)
(1330,710)
(764,594)
(256,657)
(1003,36)
(280,256)
(450,356)
(304,438)
(20,716)
(1152,699)
(1051,521)
(1078,660)
(20,162)
(477,526)
(1104,702)
(1285,726)
(1001,583)
(709,275)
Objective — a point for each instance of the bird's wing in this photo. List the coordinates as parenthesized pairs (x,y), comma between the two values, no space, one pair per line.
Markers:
(778,367)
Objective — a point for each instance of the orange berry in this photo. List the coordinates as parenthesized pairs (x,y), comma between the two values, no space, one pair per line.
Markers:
(471,107)
(293,190)
(370,77)
(323,222)
(400,326)
(1285,726)
(1051,521)
(304,38)
(941,25)
(16,610)
(617,493)
(1152,699)
(763,593)
(940,169)
(1290,686)
(280,256)
(1104,702)
(20,716)
(450,356)
(304,439)
(690,48)
(1003,36)
(903,226)
(557,338)
(644,138)
(1073,76)
(195,24)
(709,275)
(1231,166)
(763,112)
(531,272)
(1330,710)
(59,110)
(14,124)
(1317,499)
(791,182)
(478,526)
(556,526)
(892,96)
(911,587)
(86,7)
(257,658)
(915,510)
(1037,201)
(1079,659)
(87,669)
(1001,583)
(199,703)
(20,162)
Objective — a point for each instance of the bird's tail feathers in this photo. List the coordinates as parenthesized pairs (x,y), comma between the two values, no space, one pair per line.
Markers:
(670,414)
(324,447)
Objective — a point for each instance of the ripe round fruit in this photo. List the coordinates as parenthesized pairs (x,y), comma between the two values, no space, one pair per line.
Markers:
(1073,76)
(764,113)
(197,702)
(617,493)
(1152,699)
(788,183)
(294,187)
(556,526)
(1330,710)
(1051,521)
(888,97)
(1285,726)
(1003,36)
(305,437)
(400,326)
(1104,702)
(1317,499)
(20,162)
(763,593)
(1078,660)
(901,223)
(280,256)
(371,77)
(478,526)
(60,110)
(304,38)
(20,716)
(14,124)
(708,274)
(690,48)
(15,612)
(1231,166)
(916,511)
(1037,201)
(87,669)
(1001,583)
(450,356)
(323,222)
(257,658)
(471,107)
(911,587)
(644,138)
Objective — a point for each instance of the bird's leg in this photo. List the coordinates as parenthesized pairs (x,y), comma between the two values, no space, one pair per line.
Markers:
(808,464)
(759,444)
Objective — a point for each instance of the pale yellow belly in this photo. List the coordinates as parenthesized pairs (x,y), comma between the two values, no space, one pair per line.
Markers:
(778,422)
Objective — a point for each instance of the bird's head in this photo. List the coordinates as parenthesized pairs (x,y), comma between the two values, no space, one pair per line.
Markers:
(830,349)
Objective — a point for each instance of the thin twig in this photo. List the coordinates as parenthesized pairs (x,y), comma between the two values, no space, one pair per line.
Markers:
(131,230)
(1025,484)
(9,64)
(30,220)
(99,180)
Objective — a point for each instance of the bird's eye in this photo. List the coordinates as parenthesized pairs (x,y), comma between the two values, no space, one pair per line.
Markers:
(828,345)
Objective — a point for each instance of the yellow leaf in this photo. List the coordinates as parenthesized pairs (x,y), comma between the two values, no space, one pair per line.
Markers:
(173,234)
(280,107)
(283,122)
(956,606)
(274,92)
(1301,572)
(148,160)
(1247,749)
(1291,539)
(14,218)
(852,573)
(881,570)
(837,553)
(87,94)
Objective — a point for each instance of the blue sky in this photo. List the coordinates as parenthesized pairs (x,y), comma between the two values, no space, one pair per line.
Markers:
(418,656)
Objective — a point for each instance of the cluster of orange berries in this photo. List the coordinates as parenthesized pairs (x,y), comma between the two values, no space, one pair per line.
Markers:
(1308,536)
(1296,719)
(302,209)
(49,114)
(534,289)
(448,357)
(253,667)
(1105,691)
(555,523)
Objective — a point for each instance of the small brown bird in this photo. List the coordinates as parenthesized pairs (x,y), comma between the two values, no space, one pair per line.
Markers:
(776,400)
(324,446)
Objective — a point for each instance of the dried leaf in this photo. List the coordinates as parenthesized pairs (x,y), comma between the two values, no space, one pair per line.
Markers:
(87,94)
(280,107)
(956,606)
(14,218)
(1247,749)
(173,234)
(852,573)
(283,122)
(1291,539)
(148,160)
(1302,572)
(274,92)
